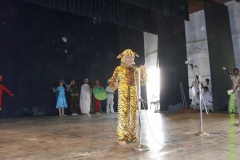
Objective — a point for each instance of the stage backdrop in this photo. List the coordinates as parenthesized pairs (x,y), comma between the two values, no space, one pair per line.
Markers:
(221,53)
(34,57)
(172,57)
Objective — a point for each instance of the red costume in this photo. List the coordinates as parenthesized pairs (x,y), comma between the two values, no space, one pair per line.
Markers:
(3,88)
(97,102)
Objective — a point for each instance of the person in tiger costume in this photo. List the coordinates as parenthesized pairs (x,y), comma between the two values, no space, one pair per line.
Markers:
(125,79)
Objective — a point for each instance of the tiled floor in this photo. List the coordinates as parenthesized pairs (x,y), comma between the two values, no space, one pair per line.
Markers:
(169,136)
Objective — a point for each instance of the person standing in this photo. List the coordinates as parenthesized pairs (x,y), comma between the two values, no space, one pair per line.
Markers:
(195,86)
(235,82)
(74,97)
(3,89)
(85,98)
(61,98)
(97,102)
(110,96)
(125,78)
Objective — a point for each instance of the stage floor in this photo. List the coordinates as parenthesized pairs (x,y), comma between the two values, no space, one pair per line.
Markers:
(94,138)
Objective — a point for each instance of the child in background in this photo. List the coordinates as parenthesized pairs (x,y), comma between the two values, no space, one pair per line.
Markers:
(96,101)
(110,97)
(61,98)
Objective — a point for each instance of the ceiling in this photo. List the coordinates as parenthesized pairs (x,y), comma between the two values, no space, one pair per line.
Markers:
(197,5)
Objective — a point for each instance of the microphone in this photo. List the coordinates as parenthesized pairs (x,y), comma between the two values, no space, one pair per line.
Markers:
(225,69)
(133,64)
(192,65)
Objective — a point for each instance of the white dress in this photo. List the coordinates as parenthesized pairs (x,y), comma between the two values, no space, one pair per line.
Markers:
(85,99)
(109,99)
(195,90)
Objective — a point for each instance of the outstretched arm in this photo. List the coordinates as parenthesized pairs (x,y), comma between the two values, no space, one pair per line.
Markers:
(7,91)
(54,90)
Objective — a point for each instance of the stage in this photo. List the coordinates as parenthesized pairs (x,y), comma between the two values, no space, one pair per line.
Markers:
(94,138)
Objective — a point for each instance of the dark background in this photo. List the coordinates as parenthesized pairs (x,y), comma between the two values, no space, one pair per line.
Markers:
(221,53)
(33,57)
(172,55)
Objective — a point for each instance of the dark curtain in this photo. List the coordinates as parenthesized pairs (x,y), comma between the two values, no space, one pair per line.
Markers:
(172,55)
(140,15)
(176,8)
(34,57)
(221,52)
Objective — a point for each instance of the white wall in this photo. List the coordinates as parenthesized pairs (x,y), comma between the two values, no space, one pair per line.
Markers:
(197,47)
(150,49)
(234,17)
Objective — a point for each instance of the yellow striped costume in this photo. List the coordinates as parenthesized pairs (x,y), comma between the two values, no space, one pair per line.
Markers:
(127,78)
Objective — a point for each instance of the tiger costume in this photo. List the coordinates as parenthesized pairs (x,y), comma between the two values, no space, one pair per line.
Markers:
(126,77)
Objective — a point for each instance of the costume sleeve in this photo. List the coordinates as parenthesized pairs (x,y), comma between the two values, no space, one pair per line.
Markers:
(113,79)
(144,77)
(6,90)
(108,89)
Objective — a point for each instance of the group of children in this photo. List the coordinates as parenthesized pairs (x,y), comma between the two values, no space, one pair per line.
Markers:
(207,92)
(125,79)
(85,97)
(207,99)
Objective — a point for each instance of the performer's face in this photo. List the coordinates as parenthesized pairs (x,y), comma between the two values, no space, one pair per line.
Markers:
(73,82)
(60,83)
(207,82)
(86,81)
(129,60)
(235,72)
(97,81)
(1,79)
(205,90)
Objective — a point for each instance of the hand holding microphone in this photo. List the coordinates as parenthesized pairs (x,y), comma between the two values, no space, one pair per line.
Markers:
(234,81)
(133,64)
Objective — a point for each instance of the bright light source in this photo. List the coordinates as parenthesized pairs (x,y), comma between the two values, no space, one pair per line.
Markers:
(153,85)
